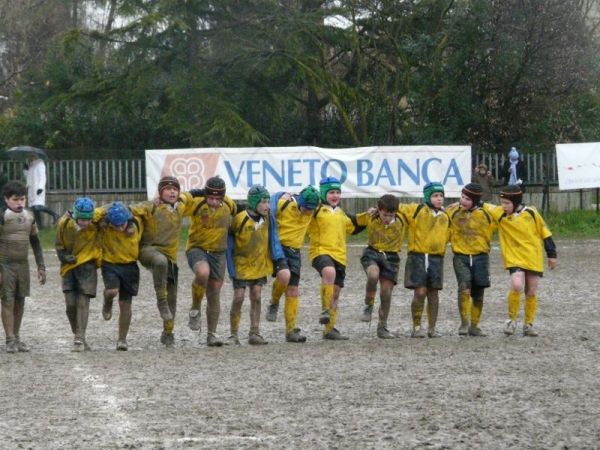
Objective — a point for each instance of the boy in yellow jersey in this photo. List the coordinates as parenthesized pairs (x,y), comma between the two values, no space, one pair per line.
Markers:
(158,248)
(292,214)
(523,238)
(471,229)
(211,216)
(79,252)
(249,261)
(18,231)
(428,235)
(327,252)
(120,272)
(380,259)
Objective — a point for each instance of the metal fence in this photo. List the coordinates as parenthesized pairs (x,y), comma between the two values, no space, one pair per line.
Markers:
(541,167)
(88,176)
(129,175)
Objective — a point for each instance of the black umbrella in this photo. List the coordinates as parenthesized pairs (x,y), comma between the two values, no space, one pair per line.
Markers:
(23,152)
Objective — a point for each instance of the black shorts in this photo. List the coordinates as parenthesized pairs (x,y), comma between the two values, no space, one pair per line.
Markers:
(292,262)
(472,270)
(215,260)
(322,261)
(512,270)
(82,279)
(388,263)
(424,271)
(124,277)
(238,284)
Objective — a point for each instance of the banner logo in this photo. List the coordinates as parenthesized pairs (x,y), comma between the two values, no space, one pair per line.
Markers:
(192,170)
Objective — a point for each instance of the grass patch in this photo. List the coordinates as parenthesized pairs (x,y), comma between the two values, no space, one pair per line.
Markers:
(574,224)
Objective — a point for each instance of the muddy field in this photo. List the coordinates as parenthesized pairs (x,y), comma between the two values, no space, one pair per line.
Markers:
(493,392)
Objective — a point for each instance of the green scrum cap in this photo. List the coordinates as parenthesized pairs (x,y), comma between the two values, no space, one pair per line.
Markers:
(256,193)
(329,184)
(430,188)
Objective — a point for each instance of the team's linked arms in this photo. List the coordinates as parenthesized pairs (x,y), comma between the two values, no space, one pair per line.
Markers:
(66,258)
(196,192)
(41,274)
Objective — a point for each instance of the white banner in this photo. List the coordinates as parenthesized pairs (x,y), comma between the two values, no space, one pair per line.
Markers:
(578,165)
(364,171)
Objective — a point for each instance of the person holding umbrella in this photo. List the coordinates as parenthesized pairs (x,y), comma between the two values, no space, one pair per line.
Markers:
(36,189)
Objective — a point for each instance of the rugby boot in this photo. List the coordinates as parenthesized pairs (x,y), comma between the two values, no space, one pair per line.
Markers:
(433,333)
(384,333)
(476,331)
(122,345)
(167,339)
(195,320)
(325,317)
(334,335)
(21,346)
(271,315)
(11,345)
(256,339)
(212,340)
(295,336)
(510,327)
(233,340)
(367,311)
(463,330)
(418,332)
(78,345)
(529,330)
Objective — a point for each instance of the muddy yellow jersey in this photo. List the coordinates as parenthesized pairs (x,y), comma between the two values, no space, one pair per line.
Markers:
(428,229)
(327,233)
(251,254)
(122,246)
(161,225)
(521,237)
(383,238)
(209,226)
(470,231)
(15,231)
(292,224)
(84,244)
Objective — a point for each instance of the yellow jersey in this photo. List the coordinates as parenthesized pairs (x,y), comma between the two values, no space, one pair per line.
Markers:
(470,231)
(209,227)
(161,224)
(327,233)
(383,238)
(84,244)
(428,229)
(521,237)
(122,247)
(251,254)
(292,224)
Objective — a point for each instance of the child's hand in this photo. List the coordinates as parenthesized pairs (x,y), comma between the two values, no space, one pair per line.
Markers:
(372,211)
(41,275)
(552,263)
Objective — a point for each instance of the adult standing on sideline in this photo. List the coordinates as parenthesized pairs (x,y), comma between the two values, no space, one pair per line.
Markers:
(36,189)
(484,178)
(514,170)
